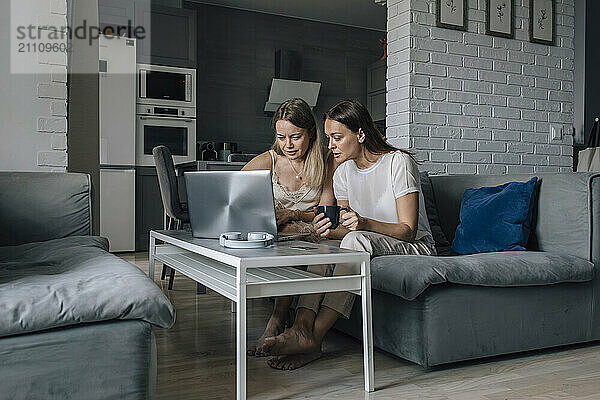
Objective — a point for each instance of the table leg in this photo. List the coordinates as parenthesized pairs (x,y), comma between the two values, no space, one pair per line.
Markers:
(151,256)
(367,326)
(241,333)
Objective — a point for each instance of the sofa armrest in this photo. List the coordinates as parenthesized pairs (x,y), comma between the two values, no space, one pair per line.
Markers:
(38,206)
(594,199)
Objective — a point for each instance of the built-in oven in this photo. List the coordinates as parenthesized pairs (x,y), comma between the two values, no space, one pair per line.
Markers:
(169,126)
(166,86)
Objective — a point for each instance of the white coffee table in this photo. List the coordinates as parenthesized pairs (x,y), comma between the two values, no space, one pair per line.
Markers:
(251,273)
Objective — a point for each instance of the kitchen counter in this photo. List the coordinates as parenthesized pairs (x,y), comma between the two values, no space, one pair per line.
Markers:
(210,166)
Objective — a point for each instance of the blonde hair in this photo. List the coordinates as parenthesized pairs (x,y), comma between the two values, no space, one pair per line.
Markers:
(298,112)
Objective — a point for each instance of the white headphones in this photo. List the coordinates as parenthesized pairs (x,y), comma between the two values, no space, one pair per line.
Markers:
(255,240)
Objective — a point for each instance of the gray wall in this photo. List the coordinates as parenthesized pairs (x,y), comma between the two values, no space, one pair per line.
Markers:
(236,62)
(357,13)
(168,3)
(592,64)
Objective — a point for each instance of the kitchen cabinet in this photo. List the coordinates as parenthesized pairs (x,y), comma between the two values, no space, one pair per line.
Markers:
(172,39)
(170,32)
(376,90)
(115,13)
(148,206)
(117,208)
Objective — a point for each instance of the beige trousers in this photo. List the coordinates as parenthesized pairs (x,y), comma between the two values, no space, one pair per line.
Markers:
(375,244)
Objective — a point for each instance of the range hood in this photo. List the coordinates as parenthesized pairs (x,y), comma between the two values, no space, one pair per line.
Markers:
(285,89)
(287,81)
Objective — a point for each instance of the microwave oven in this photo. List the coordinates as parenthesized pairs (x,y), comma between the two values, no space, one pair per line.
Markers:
(166,86)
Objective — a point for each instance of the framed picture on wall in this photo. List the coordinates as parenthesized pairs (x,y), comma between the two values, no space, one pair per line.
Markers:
(541,21)
(451,14)
(499,18)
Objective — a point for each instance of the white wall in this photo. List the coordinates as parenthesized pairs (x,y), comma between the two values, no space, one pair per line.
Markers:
(33,121)
(467,102)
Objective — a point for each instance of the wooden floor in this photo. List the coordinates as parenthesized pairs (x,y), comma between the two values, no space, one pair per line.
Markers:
(196,360)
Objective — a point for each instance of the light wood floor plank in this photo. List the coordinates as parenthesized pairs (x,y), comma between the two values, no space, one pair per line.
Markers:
(196,360)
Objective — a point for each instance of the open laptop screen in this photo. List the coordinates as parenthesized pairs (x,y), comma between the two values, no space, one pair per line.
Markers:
(225,201)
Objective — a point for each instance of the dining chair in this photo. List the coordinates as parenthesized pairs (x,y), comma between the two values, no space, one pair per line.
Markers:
(176,213)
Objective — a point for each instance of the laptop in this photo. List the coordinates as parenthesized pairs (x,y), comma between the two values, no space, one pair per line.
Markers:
(232,201)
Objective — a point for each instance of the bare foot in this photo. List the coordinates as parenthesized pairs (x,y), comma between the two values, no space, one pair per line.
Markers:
(293,341)
(275,326)
(294,361)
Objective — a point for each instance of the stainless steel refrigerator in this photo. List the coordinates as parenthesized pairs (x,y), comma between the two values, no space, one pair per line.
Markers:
(117,71)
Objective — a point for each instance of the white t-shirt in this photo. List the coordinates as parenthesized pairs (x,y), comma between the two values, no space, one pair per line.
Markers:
(372,192)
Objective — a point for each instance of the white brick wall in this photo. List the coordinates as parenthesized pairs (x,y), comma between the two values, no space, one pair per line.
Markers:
(33,106)
(473,103)
(52,91)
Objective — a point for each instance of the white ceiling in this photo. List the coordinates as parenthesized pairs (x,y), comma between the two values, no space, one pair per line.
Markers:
(359,13)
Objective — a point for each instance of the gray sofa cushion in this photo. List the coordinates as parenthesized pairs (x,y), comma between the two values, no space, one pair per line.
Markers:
(38,206)
(74,280)
(408,276)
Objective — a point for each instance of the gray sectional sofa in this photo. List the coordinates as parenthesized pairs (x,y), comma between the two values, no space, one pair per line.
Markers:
(76,320)
(444,309)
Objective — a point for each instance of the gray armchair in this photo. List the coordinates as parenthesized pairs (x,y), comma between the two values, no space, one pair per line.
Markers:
(76,320)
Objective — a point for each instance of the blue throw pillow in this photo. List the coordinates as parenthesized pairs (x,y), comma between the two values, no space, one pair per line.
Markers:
(495,218)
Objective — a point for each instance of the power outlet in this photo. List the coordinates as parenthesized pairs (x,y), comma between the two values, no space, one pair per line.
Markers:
(556,132)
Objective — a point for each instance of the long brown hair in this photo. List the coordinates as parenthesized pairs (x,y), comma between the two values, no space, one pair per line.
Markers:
(298,112)
(355,116)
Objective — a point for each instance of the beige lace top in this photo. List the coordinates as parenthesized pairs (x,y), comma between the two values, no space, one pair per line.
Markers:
(303,199)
